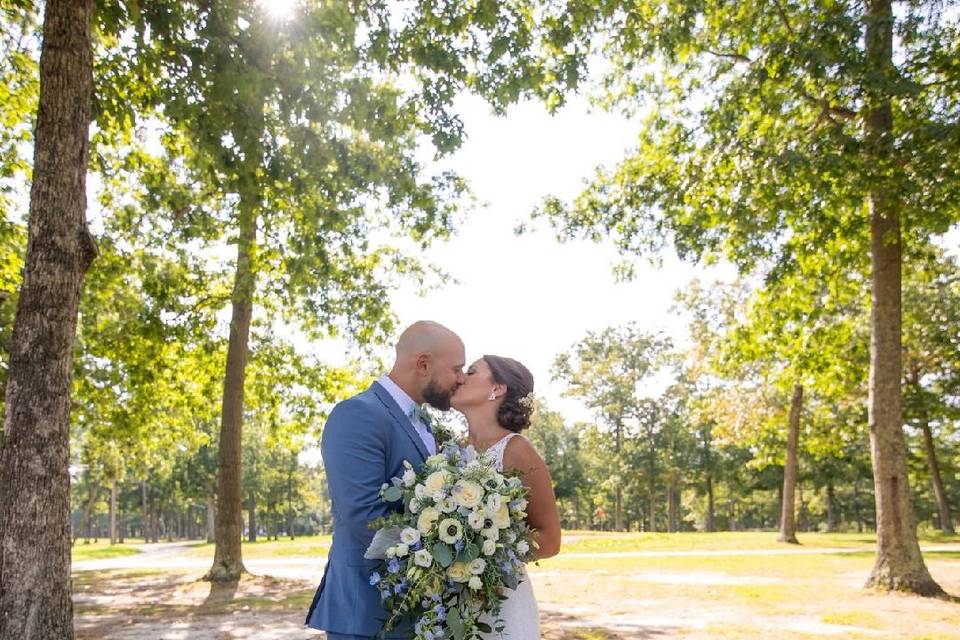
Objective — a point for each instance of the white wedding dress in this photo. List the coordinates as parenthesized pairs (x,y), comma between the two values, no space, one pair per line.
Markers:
(519,611)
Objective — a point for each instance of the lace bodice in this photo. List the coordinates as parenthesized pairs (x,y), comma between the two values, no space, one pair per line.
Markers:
(497,449)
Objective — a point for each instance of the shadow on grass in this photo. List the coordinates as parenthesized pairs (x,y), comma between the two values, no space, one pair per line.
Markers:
(562,626)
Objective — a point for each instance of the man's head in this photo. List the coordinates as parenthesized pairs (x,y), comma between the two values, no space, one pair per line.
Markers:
(429,364)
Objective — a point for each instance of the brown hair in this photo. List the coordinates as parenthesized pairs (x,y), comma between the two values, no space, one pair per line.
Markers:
(512,414)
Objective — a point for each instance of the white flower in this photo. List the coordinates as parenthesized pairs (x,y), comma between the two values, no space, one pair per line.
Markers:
(475,520)
(391,552)
(515,482)
(467,493)
(491,533)
(427,519)
(423,558)
(436,481)
(493,504)
(421,492)
(523,547)
(384,486)
(409,478)
(414,506)
(459,572)
(409,536)
(477,566)
(475,583)
(489,547)
(450,530)
(519,505)
(402,550)
(510,536)
(407,465)
(493,481)
(502,517)
(435,460)
(447,505)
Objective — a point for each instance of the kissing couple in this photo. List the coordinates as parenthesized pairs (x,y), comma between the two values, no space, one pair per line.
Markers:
(368,437)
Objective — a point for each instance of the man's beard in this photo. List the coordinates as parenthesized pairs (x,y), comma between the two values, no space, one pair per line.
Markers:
(438,397)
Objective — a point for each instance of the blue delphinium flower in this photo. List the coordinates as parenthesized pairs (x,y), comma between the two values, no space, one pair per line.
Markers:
(441,612)
(435,597)
(459,545)
(393,566)
(417,546)
(374,578)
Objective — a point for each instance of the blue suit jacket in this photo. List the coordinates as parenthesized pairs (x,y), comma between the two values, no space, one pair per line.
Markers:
(365,441)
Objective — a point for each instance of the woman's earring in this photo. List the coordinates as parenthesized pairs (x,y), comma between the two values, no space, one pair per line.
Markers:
(493,395)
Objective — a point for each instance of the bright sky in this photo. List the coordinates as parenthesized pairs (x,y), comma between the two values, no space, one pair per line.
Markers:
(530,297)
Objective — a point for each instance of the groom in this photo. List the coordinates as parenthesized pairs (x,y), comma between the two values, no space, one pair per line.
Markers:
(365,441)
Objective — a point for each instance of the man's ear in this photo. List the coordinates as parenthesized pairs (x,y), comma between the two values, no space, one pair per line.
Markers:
(423,363)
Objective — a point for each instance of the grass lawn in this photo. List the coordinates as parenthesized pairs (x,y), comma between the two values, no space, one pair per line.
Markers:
(103,549)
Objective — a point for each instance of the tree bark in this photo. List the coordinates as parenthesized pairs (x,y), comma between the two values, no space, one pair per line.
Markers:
(113,512)
(710,506)
(899,564)
(35,592)
(211,519)
(943,505)
(228,560)
(252,518)
(618,505)
(831,508)
(788,529)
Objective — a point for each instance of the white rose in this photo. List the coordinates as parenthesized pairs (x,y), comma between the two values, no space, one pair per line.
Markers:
(491,533)
(493,503)
(477,566)
(402,550)
(435,460)
(391,552)
(489,547)
(409,478)
(409,536)
(436,481)
(475,520)
(523,547)
(428,518)
(475,583)
(459,572)
(421,492)
(467,493)
(414,506)
(423,558)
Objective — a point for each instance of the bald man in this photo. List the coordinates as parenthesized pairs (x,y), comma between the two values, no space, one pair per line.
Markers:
(365,441)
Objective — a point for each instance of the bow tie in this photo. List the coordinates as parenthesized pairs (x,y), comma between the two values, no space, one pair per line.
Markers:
(419,414)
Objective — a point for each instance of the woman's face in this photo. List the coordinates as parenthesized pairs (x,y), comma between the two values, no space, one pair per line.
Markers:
(476,388)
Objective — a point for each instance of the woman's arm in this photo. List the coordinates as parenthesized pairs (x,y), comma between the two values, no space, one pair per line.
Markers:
(541,502)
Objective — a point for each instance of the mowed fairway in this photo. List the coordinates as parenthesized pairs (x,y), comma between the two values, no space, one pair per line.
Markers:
(603,586)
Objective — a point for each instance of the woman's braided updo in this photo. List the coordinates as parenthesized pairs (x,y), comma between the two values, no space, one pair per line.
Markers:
(517,406)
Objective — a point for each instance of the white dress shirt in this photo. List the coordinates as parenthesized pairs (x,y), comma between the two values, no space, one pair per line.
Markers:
(406,405)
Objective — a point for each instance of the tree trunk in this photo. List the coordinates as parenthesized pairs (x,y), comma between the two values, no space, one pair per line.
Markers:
(673,505)
(856,506)
(831,508)
(87,510)
(788,529)
(710,507)
(943,505)
(252,515)
(113,512)
(35,592)
(732,514)
(211,519)
(618,506)
(899,564)
(228,560)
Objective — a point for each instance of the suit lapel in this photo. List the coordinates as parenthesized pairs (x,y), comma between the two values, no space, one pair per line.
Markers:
(390,404)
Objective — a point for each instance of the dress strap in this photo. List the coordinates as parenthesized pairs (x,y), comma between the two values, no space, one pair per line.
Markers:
(498,449)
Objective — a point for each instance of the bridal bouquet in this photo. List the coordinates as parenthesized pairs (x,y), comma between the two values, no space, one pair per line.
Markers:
(461,537)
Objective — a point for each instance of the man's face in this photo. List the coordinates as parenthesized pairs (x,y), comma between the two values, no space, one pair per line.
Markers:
(446,375)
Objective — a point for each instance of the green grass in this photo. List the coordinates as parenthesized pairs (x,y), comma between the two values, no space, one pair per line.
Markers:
(307,546)
(607,542)
(102,550)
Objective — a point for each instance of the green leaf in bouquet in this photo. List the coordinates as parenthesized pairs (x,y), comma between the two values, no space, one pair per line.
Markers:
(510,580)
(455,624)
(443,554)
(484,627)
(469,553)
(392,494)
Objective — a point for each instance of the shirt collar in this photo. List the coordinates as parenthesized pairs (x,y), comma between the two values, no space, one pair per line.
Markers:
(404,401)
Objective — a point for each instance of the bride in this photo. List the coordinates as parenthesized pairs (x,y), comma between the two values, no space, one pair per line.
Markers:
(496,400)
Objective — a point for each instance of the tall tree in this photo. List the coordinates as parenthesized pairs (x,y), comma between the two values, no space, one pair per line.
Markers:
(773,134)
(607,371)
(35,594)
